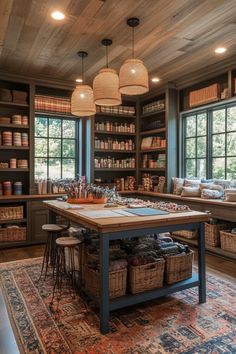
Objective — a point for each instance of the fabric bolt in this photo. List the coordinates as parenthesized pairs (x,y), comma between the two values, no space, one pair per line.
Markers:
(52,104)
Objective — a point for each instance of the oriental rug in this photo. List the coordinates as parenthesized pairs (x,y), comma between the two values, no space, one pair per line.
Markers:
(176,324)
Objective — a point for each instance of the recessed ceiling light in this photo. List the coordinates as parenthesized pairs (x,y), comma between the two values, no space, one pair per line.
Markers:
(220,50)
(57,15)
(155,79)
(79,80)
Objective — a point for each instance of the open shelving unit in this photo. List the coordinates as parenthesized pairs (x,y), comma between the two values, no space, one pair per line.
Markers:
(158,123)
(8,109)
(119,130)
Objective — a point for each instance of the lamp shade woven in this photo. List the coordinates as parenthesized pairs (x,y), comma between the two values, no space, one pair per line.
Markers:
(106,88)
(82,101)
(133,77)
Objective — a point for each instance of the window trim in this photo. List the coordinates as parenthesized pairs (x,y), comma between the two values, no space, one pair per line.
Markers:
(208,109)
(78,163)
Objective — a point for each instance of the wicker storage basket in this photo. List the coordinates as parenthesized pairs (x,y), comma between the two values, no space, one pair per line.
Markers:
(212,233)
(117,282)
(11,213)
(12,234)
(190,234)
(204,95)
(228,241)
(178,267)
(146,277)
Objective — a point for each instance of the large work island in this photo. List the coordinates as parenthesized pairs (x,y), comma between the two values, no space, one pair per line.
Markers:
(125,227)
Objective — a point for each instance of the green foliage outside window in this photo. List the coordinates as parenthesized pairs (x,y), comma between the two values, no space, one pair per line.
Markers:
(210,143)
(55,147)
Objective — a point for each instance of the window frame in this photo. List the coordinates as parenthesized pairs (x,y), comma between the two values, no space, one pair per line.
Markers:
(77,158)
(209,136)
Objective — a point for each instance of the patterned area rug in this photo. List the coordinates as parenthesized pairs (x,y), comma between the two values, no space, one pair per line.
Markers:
(176,324)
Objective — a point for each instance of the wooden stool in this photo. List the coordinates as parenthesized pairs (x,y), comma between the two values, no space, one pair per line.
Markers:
(53,231)
(66,269)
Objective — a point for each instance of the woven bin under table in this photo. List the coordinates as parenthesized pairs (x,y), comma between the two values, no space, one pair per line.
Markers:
(146,277)
(228,241)
(212,233)
(178,267)
(189,234)
(117,282)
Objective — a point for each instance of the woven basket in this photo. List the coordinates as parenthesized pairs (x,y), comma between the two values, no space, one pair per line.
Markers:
(212,233)
(178,267)
(117,282)
(190,234)
(146,277)
(11,213)
(228,241)
(12,234)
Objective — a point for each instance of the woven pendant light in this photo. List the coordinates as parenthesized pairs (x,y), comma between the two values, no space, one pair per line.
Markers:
(133,73)
(82,99)
(106,84)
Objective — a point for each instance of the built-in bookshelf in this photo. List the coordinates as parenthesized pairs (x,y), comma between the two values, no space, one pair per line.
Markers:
(14,134)
(114,144)
(158,136)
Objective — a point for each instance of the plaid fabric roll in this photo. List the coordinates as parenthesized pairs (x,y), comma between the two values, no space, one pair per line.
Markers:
(52,104)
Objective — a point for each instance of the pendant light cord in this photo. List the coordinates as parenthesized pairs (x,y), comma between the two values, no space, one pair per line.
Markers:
(107,56)
(133,42)
(82,68)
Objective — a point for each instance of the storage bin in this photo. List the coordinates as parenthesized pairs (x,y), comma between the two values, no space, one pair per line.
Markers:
(11,213)
(204,95)
(19,96)
(12,234)
(212,233)
(228,241)
(5,95)
(178,267)
(117,282)
(189,234)
(146,277)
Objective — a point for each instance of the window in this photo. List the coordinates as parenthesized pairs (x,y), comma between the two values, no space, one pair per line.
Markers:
(56,147)
(210,143)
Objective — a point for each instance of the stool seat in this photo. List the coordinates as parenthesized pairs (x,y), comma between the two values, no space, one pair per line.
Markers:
(54,227)
(68,241)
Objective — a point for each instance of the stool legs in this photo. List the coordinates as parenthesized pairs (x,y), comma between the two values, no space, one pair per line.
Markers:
(46,255)
(60,268)
(63,272)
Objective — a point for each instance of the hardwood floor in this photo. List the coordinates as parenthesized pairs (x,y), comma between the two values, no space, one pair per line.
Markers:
(7,341)
(18,253)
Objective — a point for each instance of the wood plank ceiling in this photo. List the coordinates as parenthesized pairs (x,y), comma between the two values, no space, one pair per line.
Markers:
(176,39)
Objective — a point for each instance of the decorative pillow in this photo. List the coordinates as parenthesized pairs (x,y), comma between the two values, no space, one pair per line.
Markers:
(211,194)
(177,185)
(192,182)
(207,180)
(211,186)
(230,197)
(191,192)
(225,183)
(230,191)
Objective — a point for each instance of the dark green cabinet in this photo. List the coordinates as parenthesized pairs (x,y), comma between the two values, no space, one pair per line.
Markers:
(38,215)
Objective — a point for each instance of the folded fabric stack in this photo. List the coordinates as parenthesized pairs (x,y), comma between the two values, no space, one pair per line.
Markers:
(117,257)
(152,248)
(230,195)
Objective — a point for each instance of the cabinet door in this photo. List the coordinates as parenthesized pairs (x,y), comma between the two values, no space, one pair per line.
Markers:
(38,216)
